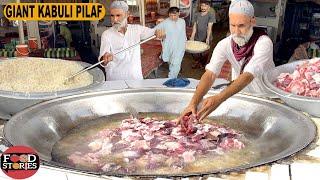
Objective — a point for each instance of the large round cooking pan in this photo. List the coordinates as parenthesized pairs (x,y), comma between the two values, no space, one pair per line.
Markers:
(13,102)
(276,131)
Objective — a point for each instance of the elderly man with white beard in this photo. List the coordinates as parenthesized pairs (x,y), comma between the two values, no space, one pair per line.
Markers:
(126,65)
(250,53)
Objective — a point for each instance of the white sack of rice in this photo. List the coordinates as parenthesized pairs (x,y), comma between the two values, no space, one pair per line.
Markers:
(196,46)
(41,75)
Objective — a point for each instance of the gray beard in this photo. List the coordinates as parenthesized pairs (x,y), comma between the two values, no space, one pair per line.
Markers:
(120,25)
(242,40)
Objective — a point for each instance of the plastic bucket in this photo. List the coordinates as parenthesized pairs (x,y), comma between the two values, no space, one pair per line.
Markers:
(22,50)
(33,43)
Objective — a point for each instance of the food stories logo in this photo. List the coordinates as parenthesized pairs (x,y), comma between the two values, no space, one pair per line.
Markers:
(19,162)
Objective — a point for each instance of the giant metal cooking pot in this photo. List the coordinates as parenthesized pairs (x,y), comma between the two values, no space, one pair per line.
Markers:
(310,105)
(276,130)
(13,102)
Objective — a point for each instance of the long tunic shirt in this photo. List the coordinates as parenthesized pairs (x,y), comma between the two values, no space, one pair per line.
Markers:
(173,46)
(261,61)
(126,65)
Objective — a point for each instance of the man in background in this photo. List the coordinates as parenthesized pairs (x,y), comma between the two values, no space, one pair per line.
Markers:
(173,46)
(202,30)
(126,65)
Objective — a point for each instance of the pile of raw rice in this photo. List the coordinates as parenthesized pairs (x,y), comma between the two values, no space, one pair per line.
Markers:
(41,75)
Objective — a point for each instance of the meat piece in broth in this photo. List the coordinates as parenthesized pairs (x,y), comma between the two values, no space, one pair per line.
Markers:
(187,124)
(148,143)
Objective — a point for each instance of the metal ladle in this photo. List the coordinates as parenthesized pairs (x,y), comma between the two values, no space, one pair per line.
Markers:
(100,62)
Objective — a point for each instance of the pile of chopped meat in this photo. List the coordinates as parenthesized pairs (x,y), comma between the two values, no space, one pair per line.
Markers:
(148,143)
(304,81)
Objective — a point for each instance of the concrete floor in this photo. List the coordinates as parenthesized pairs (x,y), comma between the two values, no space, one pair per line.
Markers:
(219,32)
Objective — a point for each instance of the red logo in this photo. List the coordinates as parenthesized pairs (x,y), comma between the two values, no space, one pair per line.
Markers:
(19,162)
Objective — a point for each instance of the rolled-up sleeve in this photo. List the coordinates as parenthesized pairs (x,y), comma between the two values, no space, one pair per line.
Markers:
(262,58)
(218,58)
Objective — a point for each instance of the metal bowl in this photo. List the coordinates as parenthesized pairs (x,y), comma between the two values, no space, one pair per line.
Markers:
(310,105)
(275,130)
(13,102)
(197,51)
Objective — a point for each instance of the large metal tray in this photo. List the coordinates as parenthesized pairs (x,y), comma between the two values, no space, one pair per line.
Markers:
(13,102)
(276,130)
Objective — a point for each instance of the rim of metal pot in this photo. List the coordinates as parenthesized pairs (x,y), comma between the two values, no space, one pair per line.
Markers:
(306,119)
(45,95)
(270,86)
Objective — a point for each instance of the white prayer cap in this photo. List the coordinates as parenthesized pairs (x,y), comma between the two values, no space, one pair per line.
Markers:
(241,7)
(119,5)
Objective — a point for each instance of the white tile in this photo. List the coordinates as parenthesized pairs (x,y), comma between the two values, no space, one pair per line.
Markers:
(314,153)
(44,173)
(4,176)
(317,122)
(214,178)
(316,119)
(116,178)
(280,172)
(256,176)
(74,176)
(41,174)
(305,171)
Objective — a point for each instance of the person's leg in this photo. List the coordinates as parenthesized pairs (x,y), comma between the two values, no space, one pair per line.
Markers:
(175,64)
